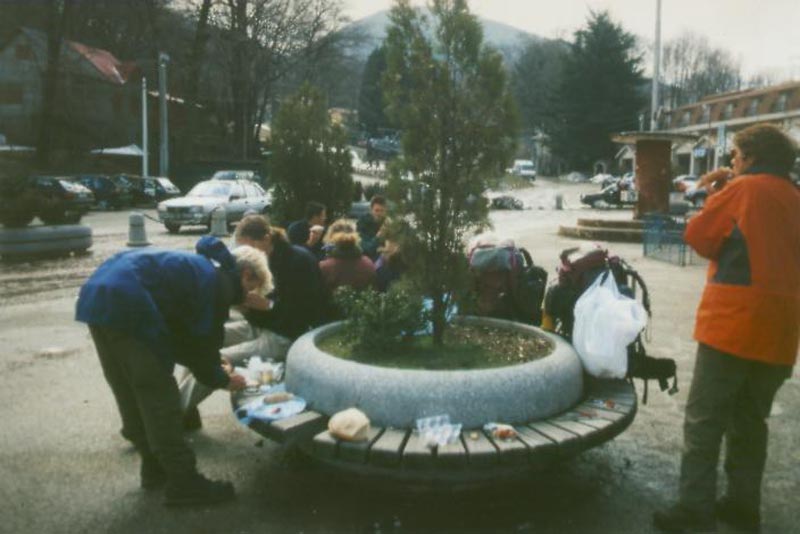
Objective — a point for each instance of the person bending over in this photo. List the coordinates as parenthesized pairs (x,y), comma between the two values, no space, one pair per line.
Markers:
(148,309)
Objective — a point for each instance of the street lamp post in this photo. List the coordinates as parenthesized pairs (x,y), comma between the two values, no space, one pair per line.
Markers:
(656,69)
(163,160)
(145,140)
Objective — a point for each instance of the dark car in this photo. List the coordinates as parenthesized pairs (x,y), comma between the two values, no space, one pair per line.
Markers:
(55,199)
(107,193)
(147,191)
(620,193)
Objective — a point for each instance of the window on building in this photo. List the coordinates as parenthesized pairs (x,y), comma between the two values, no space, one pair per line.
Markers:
(685,118)
(753,108)
(780,103)
(706,114)
(10,94)
(727,113)
(23,52)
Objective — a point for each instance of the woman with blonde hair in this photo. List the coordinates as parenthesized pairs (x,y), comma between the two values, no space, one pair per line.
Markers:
(346,265)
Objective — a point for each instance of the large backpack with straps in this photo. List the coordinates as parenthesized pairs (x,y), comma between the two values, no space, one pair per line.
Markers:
(575,274)
(507,284)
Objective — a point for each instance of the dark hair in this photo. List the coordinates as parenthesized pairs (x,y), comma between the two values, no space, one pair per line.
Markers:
(377,199)
(256,227)
(768,145)
(313,209)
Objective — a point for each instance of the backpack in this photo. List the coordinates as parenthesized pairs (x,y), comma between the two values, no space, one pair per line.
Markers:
(574,277)
(507,284)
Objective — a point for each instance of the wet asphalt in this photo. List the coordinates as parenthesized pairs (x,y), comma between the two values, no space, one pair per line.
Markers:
(64,467)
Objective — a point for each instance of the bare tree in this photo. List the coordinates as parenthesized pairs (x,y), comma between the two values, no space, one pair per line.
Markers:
(692,69)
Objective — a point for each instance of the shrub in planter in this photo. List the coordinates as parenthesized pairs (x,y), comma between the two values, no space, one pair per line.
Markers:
(379,321)
(17,211)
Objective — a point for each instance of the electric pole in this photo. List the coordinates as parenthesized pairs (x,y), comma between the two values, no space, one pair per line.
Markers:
(145,141)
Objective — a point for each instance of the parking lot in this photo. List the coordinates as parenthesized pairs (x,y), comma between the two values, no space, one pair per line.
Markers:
(65,468)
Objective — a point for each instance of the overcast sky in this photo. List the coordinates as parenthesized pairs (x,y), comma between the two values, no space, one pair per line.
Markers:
(763,34)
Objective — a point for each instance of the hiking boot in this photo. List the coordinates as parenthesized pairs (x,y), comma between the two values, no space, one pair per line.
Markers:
(191,420)
(152,474)
(741,517)
(678,519)
(197,490)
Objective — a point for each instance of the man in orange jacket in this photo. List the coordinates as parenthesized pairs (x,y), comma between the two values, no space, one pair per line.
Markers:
(747,330)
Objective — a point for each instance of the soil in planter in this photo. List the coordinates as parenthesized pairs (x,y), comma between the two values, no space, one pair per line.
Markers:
(465,347)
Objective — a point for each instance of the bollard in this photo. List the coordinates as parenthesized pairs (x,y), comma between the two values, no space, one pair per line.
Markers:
(137,234)
(219,223)
(559,201)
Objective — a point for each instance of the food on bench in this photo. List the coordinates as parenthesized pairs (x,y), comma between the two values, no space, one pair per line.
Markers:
(500,431)
(474,436)
(349,425)
(280,396)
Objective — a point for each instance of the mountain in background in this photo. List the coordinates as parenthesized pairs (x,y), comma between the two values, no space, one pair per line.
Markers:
(507,39)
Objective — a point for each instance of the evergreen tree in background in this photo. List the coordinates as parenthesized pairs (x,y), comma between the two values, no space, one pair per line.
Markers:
(448,94)
(370,99)
(537,77)
(599,93)
(311,160)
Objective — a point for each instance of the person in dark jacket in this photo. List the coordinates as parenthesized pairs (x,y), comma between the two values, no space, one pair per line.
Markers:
(147,310)
(308,232)
(272,322)
(369,225)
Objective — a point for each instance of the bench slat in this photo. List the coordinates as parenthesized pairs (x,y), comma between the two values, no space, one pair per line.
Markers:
(325,445)
(573,426)
(510,450)
(416,453)
(480,450)
(300,427)
(388,448)
(558,435)
(358,451)
(452,454)
(586,417)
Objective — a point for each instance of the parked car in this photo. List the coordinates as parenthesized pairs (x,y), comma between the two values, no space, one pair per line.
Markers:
(697,196)
(523,168)
(107,194)
(622,192)
(234,196)
(54,199)
(239,175)
(684,182)
(147,191)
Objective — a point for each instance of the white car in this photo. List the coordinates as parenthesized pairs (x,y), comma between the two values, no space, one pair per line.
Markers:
(236,197)
(524,168)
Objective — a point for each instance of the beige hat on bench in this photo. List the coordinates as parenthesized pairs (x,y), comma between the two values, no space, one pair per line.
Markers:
(349,425)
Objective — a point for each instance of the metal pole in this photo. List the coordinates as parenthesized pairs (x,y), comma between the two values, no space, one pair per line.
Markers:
(656,69)
(145,140)
(163,160)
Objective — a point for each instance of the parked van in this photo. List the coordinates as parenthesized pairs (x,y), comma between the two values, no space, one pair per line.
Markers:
(524,168)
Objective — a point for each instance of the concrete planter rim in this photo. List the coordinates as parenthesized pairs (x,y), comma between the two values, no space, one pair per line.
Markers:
(397,397)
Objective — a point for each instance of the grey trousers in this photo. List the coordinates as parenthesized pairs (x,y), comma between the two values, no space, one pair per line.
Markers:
(147,398)
(729,396)
(242,340)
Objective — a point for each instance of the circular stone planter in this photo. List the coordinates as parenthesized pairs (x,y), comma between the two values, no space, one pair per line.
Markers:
(43,240)
(397,397)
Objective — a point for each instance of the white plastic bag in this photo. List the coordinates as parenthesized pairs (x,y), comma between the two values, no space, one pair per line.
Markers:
(606,322)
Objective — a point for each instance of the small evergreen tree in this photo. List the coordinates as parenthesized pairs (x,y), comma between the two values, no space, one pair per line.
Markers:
(311,160)
(600,93)
(449,95)
(370,98)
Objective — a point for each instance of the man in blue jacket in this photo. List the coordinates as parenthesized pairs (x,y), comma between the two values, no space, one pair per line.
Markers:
(148,309)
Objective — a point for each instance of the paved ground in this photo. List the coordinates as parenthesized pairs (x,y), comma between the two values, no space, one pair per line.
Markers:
(64,468)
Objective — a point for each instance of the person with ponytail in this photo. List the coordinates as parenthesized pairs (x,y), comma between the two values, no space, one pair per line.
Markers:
(148,309)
